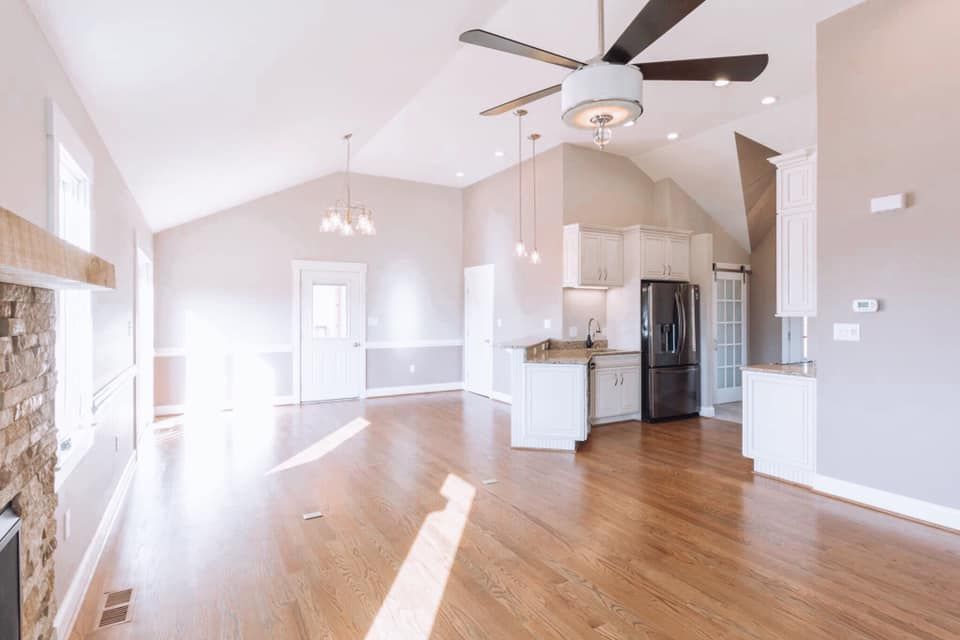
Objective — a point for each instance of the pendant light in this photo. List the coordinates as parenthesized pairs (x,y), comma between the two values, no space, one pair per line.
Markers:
(535,254)
(520,250)
(347,217)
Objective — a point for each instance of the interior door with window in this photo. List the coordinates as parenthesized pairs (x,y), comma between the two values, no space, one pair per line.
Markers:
(731,334)
(478,329)
(332,335)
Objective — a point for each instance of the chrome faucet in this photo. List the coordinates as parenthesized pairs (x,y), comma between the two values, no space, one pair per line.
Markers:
(590,333)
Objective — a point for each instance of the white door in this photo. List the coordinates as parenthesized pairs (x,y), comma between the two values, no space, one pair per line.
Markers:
(678,267)
(613,260)
(332,334)
(591,258)
(478,329)
(731,334)
(144,343)
(653,256)
(630,390)
(607,396)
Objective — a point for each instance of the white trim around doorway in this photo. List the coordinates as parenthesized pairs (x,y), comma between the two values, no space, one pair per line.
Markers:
(297,268)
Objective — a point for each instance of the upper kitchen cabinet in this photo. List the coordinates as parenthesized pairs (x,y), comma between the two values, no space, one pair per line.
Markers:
(592,256)
(797,233)
(664,255)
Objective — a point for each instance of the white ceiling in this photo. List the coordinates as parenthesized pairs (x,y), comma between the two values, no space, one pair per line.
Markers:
(204,105)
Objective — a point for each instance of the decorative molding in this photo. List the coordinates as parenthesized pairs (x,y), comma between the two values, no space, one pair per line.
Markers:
(414,344)
(180,409)
(708,411)
(181,352)
(107,391)
(913,508)
(500,396)
(410,389)
(67,613)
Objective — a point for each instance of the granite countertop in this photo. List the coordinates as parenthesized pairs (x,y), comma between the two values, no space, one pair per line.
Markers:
(802,369)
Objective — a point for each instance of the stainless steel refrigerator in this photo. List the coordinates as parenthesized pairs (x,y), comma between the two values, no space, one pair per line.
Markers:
(670,318)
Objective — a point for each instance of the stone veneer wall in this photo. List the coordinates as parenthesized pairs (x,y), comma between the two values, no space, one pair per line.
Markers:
(28,444)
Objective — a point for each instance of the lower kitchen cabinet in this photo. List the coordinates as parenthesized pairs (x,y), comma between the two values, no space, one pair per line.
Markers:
(615,388)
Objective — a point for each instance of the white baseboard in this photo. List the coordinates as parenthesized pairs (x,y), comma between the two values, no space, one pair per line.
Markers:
(627,417)
(708,412)
(500,396)
(70,607)
(409,389)
(179,409)
(895,503)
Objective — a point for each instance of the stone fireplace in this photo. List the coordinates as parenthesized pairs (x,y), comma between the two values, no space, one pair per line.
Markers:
(33,263)
(28,446)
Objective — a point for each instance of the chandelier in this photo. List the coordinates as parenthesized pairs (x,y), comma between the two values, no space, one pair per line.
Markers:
(346,217)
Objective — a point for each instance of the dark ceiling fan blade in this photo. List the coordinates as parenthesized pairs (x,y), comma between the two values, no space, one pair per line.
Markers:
(500,43)
(654,20)
(733,68)
(519,102)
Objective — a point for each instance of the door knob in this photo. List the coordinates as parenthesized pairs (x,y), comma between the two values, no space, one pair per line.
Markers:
(356,344)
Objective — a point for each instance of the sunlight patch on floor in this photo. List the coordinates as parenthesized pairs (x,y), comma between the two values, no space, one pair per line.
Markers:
(411,606)
(323,446)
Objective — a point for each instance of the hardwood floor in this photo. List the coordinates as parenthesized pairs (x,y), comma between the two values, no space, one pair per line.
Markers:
(651,531)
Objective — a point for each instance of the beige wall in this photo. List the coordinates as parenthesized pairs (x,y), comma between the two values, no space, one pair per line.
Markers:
(764,327)
(29,74)
(230,274)
(887,113)
(524,295)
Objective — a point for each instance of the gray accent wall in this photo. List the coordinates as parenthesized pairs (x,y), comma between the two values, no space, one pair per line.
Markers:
(229,275)
(432,365)
(32,73)
(887,113)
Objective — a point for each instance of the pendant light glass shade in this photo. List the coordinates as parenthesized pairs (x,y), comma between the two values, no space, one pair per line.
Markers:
(346,217)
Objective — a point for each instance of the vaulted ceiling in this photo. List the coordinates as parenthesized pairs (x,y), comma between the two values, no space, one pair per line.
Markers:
(205,105)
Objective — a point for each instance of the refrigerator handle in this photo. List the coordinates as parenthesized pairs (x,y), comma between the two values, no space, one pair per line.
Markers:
(682,320)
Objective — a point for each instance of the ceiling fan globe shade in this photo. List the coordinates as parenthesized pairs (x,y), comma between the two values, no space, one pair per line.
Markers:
(602,89)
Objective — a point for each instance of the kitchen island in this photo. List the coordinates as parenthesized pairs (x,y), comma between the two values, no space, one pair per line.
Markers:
(780,420)
(559,388)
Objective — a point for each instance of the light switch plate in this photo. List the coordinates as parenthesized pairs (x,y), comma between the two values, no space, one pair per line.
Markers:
(846,332)
(413,368)
(547,323)
(499,322)
(572,332)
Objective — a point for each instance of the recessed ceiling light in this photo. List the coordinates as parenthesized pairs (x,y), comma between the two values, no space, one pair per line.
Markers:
(629,123)
(460,174)
(498,153)
(768,100)
(721,82)
(673,135)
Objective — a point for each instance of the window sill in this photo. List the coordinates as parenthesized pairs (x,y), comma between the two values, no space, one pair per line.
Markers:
(67,461)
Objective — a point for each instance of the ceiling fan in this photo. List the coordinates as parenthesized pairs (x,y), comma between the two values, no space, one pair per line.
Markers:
(607,91)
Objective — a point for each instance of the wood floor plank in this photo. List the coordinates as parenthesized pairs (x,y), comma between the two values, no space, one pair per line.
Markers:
(649,531)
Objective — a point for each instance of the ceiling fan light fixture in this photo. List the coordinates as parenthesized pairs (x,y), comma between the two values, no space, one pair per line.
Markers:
(602,90)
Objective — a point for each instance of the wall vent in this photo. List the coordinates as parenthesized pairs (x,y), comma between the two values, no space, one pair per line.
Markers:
(115,608)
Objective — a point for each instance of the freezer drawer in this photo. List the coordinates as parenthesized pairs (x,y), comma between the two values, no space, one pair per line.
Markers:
(671,392)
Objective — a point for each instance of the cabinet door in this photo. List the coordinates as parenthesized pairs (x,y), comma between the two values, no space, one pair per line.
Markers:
(613,260)
(796,186)
(653,256)
(796,264)
(629,390)
(678,267)
(591,258)
(606,393)
(555,401)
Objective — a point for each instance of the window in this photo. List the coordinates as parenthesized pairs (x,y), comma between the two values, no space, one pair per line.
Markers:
(329,311)
(71,171)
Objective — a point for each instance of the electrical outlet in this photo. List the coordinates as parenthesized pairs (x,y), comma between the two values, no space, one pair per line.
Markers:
(572,332)
(547,323)
(413,368)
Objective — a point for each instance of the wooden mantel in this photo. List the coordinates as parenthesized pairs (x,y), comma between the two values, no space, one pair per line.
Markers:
(32,256)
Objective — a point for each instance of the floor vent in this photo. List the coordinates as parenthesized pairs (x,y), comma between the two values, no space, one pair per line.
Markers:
(115,608)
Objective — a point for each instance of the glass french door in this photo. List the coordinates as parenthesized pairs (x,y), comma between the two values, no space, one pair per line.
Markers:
(730,294)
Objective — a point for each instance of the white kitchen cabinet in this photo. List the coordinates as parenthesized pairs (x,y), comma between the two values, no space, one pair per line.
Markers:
(592,256)
(615,388)
(796,233)
(779,424)
(664,255)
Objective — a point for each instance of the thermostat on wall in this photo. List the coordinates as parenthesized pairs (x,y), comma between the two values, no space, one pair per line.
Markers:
(866,306)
